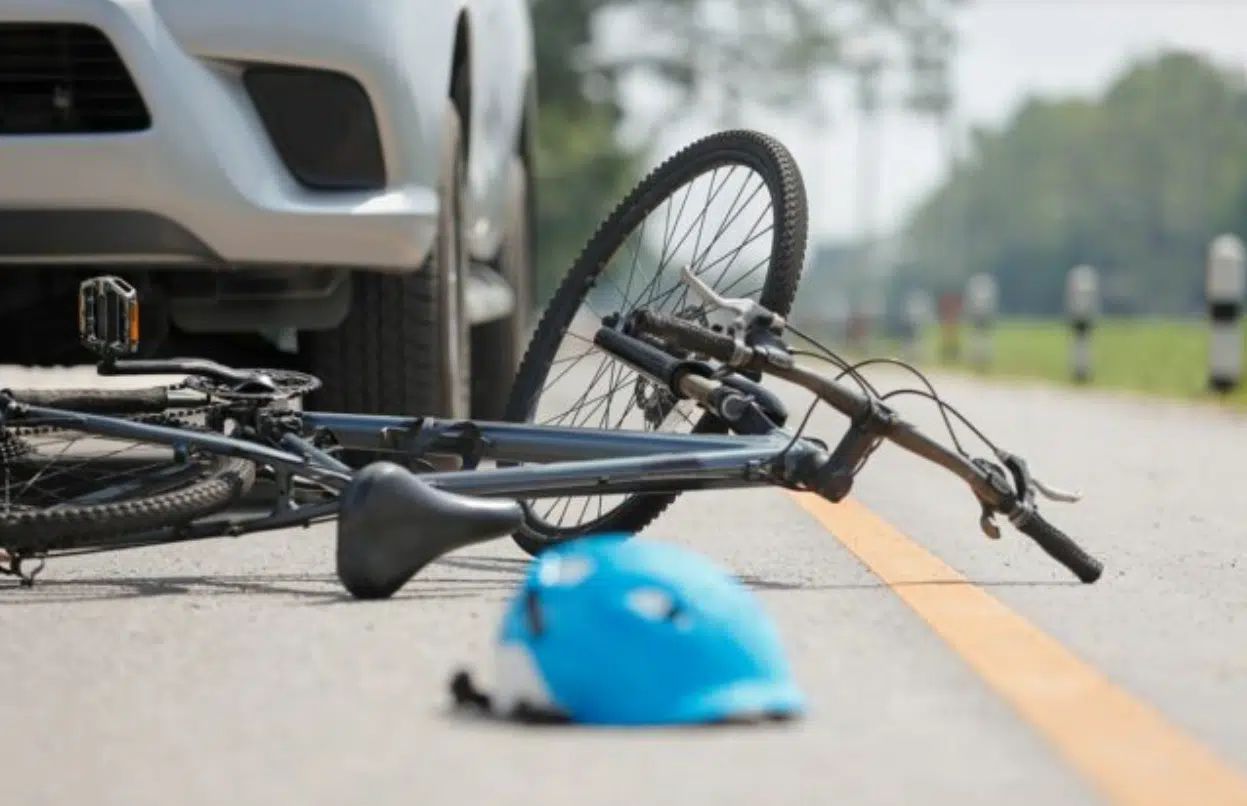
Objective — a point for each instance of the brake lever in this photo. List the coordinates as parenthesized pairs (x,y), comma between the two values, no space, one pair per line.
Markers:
(987,522)
(1055,493)
(747,311)
(995,476)
(1026,484)
(768,342)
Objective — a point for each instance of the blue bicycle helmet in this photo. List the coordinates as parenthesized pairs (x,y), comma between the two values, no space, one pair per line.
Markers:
(614,631)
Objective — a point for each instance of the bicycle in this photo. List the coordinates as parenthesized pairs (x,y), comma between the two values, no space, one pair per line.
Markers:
(225,436)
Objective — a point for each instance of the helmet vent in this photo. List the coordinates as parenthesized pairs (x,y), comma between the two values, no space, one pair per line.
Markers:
(655,604)
(565,571)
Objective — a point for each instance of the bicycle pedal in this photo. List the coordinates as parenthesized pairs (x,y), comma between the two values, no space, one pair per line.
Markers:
(108,316)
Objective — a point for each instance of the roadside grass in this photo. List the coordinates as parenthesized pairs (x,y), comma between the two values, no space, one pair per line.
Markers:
(1160,357)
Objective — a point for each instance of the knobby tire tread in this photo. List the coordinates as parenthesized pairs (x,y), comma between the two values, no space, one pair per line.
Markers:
(97,401)
(384,357)
(43,530)
(772,161)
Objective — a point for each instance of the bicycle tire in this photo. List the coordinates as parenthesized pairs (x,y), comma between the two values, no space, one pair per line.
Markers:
(144,405)
(219,482)
(150,400)
(774,164)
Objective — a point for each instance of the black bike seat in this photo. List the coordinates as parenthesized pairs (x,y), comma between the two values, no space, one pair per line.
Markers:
(391,524)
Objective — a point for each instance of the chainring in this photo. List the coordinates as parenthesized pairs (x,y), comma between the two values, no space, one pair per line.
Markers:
(286,383)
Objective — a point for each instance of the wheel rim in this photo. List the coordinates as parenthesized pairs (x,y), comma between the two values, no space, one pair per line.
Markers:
(736,196)
(45,467)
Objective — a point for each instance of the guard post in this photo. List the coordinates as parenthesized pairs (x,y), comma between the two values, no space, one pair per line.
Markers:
(919,314)
(1225,284)
(950,327)
(1082,306)
(834,320)
(981,303)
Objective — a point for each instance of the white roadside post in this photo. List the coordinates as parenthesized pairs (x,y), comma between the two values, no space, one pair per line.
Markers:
(1225,285)
(875,308)
(919,314)
(836,316)
(950,306)
(855,327)
(981,302)
(1082,305)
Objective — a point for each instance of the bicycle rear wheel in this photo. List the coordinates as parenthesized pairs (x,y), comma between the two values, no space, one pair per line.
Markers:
(762,203)
(62,488)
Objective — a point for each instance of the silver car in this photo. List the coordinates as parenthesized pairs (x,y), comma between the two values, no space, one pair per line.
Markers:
(348,179)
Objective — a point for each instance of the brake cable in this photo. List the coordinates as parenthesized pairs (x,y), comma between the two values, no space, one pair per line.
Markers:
(853,370)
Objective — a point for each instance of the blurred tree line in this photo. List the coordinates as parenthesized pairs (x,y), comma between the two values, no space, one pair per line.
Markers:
(718,56)
(1135,182)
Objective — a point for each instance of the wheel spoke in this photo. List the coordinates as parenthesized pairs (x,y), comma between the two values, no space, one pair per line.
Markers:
(722,219)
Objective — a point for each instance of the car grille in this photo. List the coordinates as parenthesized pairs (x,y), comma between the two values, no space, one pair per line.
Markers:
(65,79)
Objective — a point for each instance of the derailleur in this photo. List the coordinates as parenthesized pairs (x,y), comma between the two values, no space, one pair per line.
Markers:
(1022,490)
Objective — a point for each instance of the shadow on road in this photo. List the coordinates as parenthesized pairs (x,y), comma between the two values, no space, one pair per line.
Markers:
(516,568)
(486,576)
(308,589)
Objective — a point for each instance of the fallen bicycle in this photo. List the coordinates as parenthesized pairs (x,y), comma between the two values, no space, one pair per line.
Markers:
(102,470)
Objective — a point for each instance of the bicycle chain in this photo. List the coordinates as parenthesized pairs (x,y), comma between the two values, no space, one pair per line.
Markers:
(14,447)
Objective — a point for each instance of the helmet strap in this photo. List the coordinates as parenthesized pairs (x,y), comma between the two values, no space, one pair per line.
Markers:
(467,695)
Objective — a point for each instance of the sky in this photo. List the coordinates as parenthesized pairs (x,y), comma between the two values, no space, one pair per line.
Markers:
(1008,50)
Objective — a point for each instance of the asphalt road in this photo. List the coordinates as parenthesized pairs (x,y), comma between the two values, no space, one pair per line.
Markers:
(238,672)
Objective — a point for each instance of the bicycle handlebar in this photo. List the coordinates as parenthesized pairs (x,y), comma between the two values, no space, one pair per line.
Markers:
(988,483)
(1060,547)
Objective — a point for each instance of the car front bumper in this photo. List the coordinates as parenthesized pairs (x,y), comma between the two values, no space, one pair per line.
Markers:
(205,184)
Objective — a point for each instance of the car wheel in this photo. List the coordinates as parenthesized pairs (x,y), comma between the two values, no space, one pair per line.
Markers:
(498,346)
(404,347)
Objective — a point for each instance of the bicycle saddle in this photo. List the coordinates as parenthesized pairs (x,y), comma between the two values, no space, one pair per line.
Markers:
(391,524)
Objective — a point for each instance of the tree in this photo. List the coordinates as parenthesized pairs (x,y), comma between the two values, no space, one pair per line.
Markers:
(721,55)
(716,56)
(581,170)
(1135,183)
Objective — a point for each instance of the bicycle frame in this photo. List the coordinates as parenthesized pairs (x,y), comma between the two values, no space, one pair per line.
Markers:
(564,461)
(569,461)
(534,461)
(545,461)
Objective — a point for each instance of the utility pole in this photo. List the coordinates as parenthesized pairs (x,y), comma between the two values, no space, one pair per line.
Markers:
(869,151)
(933,95)
(866,62)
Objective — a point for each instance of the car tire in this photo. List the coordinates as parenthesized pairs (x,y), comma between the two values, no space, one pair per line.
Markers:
(498,346)
(404,347)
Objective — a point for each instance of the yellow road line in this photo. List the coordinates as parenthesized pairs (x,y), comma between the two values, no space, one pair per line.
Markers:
(1127,750)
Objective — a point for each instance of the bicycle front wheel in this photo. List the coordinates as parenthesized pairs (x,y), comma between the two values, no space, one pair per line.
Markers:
(732,207)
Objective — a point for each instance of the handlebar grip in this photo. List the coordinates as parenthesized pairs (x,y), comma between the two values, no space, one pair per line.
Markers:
(1061,548)
(687,335)
(648,359)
